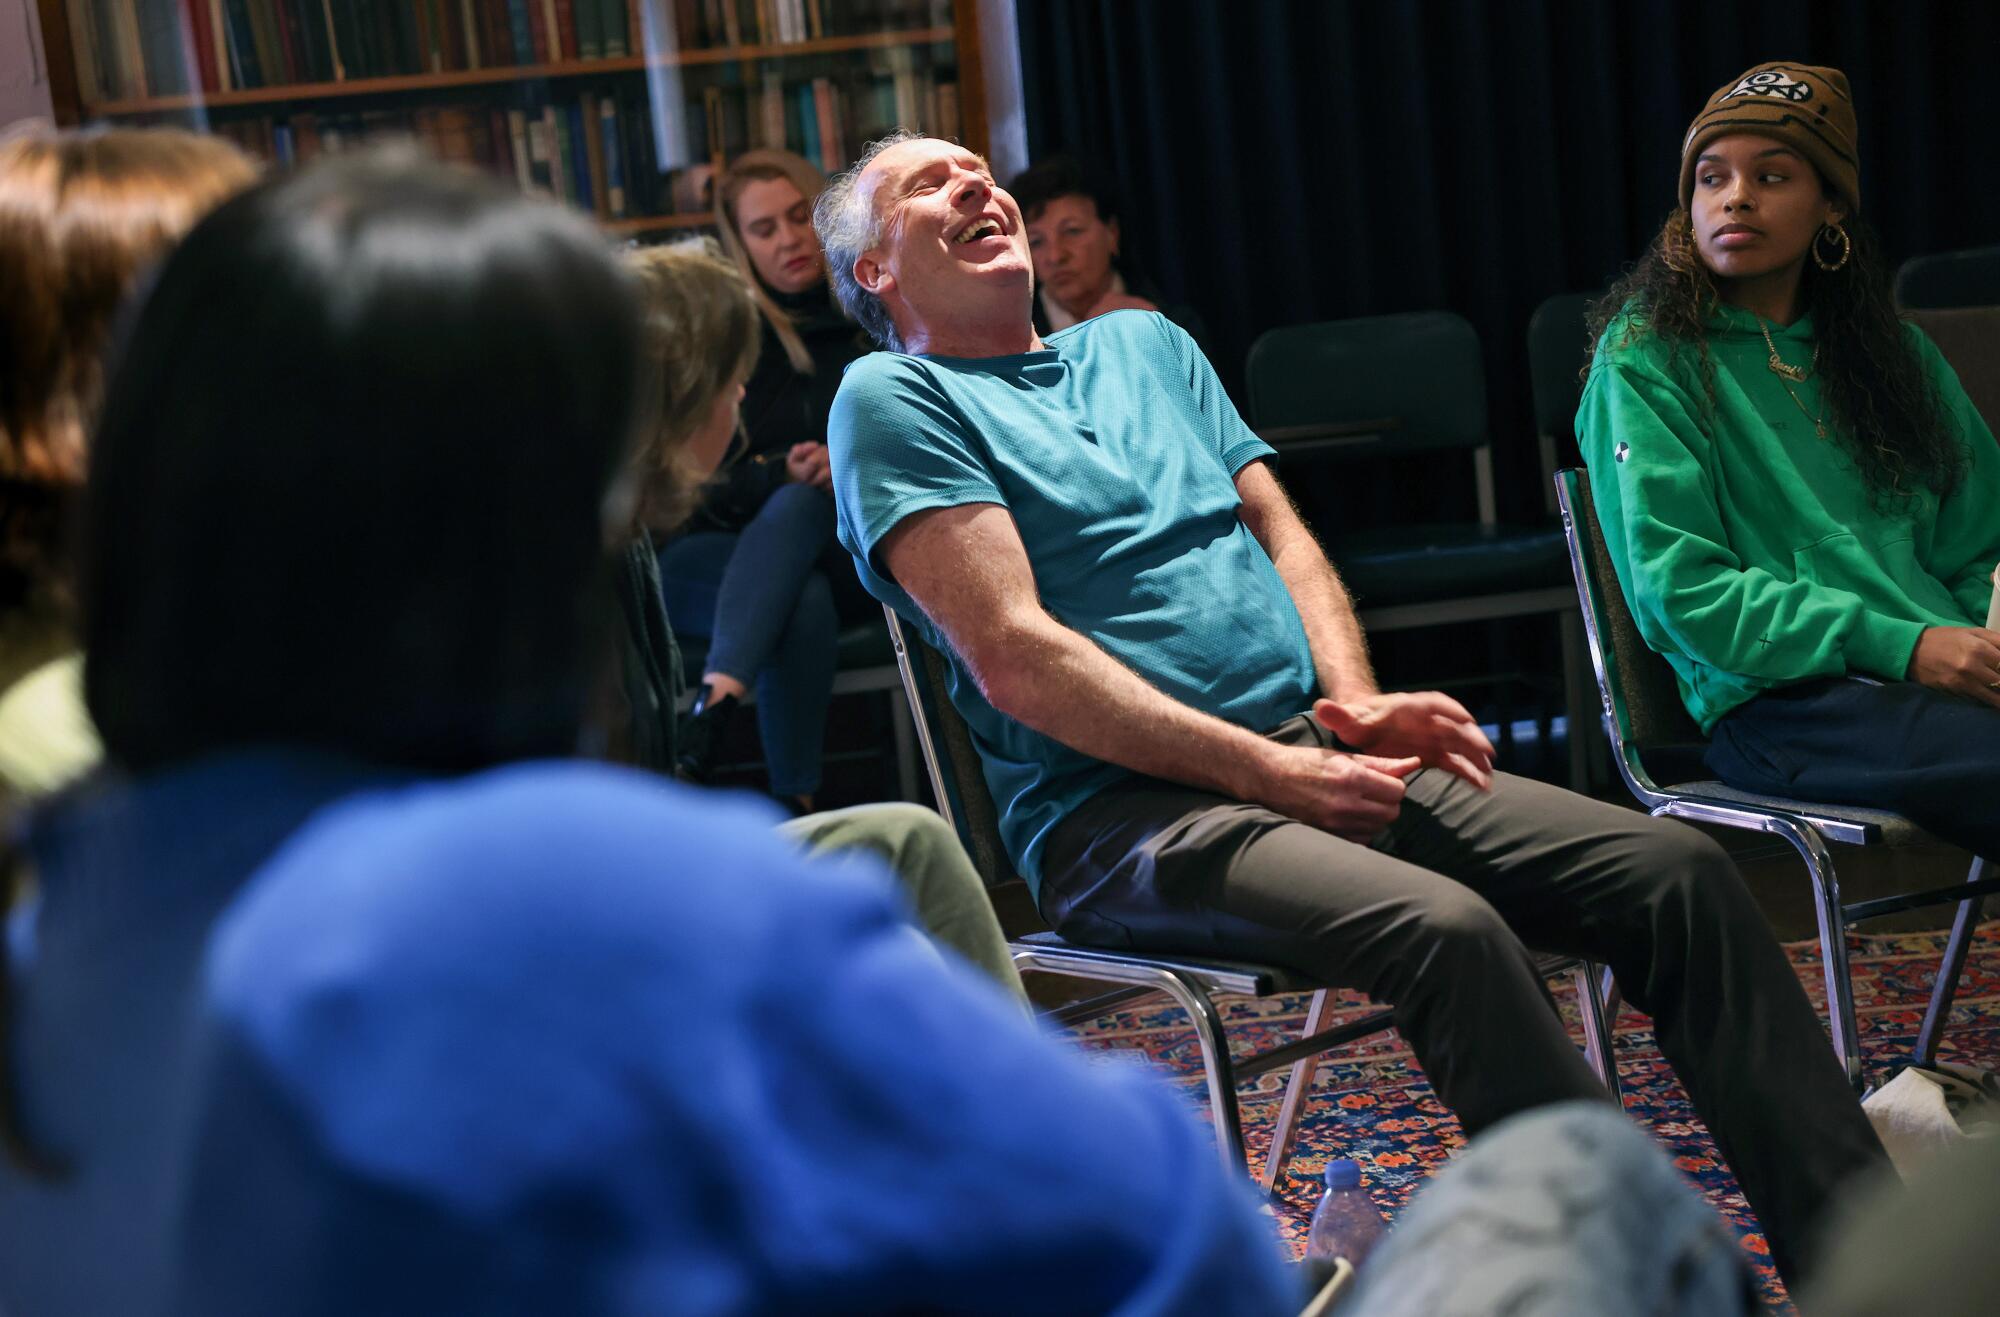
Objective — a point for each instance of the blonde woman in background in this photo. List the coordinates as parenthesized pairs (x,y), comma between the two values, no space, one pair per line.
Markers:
(754,571)
(702,330)
(82,216)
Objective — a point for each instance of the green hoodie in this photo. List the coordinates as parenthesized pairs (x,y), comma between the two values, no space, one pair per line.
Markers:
(1746,545)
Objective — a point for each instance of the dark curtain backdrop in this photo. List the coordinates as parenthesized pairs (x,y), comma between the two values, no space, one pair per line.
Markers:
(1282,162)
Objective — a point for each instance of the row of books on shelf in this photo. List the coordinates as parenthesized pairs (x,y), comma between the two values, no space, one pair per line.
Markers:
(593,151)
(134,49)
(700,23)
(129,49)
(598,149)
(826,120)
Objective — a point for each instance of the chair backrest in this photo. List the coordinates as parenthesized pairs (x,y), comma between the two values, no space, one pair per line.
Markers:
(957,776)
(1642,703)
(1969,337)
(1397,384)
(1558,337)
(1961,278)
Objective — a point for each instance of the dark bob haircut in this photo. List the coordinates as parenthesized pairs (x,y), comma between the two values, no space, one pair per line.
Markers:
(1061,176)
(350,479)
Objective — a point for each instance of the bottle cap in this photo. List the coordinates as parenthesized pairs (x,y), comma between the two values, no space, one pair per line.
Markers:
(1343,1174)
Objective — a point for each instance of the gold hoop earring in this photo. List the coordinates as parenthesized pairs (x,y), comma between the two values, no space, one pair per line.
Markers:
(1846,247)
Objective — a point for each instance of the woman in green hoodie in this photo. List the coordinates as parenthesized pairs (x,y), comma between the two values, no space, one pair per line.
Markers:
(1802,504)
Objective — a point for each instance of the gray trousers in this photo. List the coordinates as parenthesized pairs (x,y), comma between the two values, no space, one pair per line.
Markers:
(1434,919)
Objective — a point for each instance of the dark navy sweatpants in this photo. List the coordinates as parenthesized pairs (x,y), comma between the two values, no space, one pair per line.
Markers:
(1932,757)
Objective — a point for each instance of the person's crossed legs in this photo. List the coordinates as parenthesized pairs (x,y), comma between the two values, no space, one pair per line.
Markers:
(1434,920)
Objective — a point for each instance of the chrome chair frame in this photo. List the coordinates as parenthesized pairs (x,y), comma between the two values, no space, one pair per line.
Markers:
(1808,826)
(1191,982)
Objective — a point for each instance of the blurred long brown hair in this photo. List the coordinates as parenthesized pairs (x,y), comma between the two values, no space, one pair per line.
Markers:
(83,214)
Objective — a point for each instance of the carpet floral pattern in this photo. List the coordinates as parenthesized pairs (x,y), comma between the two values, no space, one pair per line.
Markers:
(1371,1102)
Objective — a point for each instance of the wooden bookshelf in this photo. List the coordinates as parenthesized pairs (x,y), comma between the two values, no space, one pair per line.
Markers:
(639,224)
(316,91)
(550,125)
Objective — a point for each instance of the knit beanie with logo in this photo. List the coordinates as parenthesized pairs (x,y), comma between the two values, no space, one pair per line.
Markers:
(1807,108)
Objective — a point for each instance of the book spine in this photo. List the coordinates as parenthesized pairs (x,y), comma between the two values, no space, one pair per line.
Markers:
(559,163)
(83,36)
(611,23)
(243,45)
(361,46)
(197,39)
(808,122)
(309,18)
(519,31)
(427,55)
(270,50)
(540,152)
(292,54)
(132,40)
(771,114)
(497,38)
(403,36)
(468,21)
(579,158)
(559,51)
(589,29)
(566,24)
(829,140)
(538,33)
(590,128)
(157,46)
(339,38)
(496,150)
(195,42)
(612,143)
(517,137)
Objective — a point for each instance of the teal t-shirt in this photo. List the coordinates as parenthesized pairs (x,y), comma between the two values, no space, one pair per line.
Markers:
(1116,451)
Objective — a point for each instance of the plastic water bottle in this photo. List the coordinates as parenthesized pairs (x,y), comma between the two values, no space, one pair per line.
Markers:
(1346,1223)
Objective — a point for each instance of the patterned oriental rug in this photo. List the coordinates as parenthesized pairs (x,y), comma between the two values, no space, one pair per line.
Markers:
(1370,1101)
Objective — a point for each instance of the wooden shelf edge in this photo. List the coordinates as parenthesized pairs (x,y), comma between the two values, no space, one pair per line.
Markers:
(307,91)
(654,223)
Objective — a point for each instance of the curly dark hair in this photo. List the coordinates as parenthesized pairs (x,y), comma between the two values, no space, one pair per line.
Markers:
(1879,399)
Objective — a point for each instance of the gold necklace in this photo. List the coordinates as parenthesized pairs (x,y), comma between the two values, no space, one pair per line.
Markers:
(1789,375)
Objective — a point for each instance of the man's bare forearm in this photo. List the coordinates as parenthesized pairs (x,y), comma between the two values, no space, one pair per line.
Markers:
(1339,650)
(1057,681)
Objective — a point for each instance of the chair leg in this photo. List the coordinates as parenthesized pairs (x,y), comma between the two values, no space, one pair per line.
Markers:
(1202,1015)
(1832,943)
(1945,989)
(1598,1045)
(1216,1064)
(1297,1088)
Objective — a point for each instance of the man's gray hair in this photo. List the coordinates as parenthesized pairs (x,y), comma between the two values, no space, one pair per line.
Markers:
(847,226)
